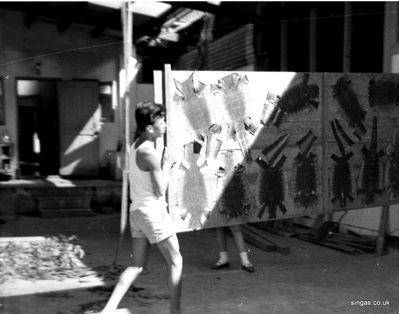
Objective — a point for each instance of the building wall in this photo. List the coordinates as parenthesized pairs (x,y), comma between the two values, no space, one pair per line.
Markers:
(70,55)
(391,38)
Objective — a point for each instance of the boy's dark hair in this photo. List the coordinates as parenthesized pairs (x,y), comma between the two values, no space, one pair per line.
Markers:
(146,114)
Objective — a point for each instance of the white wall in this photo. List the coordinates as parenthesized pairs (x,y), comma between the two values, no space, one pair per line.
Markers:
(391,46)
(69,55)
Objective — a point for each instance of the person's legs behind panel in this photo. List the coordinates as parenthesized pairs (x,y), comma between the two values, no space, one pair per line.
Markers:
(223,261)
(242,248)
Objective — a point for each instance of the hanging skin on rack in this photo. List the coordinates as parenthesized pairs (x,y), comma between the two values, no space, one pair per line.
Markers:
(305,179)
(342,179)
(294,100)
(369,180)
(392,166)
(349,105)
(271,184)
(234,201)
(270,104)
(194,107)
(194,189)
(235,97)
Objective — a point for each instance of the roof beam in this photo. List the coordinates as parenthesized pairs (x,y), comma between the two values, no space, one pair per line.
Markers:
(194,5)
(68,14)
(31,13)
(64,25)
(29,19)
(153,27)
(105,23)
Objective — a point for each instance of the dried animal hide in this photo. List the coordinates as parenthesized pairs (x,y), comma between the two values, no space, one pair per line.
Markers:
(305,179)
(194,189)
(271,184)
(349,104)
(234,201)
(343,134)
(295,99)
(271,101)
(235,96)
(214,141)
(392,166)
(342,179)
(194,106)
(370,173)
(383,90)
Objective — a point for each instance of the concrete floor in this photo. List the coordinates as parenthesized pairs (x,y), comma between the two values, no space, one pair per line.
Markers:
(312,279)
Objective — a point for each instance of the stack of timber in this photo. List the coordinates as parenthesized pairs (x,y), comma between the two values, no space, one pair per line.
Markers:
(283,228)
(258,237)
(350,243)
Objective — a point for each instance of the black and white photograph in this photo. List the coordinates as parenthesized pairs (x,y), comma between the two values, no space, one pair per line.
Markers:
(192,157)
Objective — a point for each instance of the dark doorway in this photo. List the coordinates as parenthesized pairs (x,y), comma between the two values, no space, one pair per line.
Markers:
(38,143)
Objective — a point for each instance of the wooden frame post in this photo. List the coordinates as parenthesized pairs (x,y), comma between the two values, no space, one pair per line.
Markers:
(382,230)
(127,24)
(347,37)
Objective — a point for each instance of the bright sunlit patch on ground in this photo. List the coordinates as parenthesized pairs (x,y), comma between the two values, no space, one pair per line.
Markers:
(43,264)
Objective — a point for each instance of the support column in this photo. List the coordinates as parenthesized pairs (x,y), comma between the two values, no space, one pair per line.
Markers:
(347,37)
(127,25)
(284,45)
(313,40)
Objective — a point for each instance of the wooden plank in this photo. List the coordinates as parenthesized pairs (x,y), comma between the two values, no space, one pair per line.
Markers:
(282,233)
(261,237)
(339,247)
(257,241)
(158,87)
(124,311)
(21,239)
(382,230)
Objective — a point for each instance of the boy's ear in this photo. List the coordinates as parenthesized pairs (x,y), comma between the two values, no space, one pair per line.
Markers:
(149,128)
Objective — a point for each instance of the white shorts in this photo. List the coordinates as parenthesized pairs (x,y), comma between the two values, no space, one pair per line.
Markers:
(153,223)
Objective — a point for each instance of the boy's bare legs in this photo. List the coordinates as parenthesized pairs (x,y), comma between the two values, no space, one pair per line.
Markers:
(171,252)
(129,275)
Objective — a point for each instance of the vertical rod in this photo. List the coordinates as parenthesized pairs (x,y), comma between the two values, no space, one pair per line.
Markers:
(382,230)
(171,123)
(313,40)
(347,37)
(283,46)
(127,24)
(324,150)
